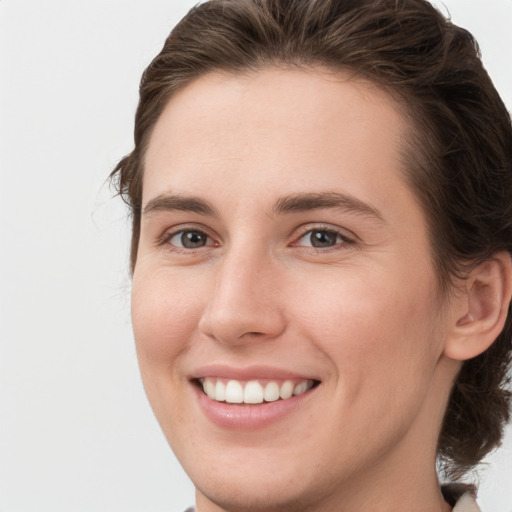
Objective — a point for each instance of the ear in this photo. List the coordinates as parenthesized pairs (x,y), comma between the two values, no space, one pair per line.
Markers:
(481,311)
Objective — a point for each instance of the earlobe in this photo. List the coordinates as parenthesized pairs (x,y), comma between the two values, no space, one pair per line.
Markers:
(481,312)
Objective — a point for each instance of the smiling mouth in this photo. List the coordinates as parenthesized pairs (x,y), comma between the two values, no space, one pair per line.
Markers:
(253,391)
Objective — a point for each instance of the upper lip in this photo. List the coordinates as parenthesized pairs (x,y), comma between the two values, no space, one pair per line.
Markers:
(247,373)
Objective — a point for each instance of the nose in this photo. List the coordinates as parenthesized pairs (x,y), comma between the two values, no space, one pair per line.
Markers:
(243,304)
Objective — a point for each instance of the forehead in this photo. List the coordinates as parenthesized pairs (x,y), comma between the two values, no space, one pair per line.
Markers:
(292,125)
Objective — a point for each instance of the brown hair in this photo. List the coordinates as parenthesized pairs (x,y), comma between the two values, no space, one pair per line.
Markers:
(458,156)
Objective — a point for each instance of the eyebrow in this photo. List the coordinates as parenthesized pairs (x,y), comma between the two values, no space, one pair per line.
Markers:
(311,201)
(166,202)
(300,202)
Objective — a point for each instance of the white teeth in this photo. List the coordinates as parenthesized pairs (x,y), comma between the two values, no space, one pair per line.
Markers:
(253,392)
(220,391)
(286,390)
(209,388)
(234,392)
(300,388)
(271,392)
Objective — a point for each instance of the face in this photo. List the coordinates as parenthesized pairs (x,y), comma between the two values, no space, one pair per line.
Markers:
(285,306)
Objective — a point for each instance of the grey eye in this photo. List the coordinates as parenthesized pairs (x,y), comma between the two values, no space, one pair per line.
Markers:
(189,239)
(321,238)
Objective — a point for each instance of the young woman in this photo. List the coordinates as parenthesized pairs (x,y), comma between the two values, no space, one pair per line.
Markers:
(322,228)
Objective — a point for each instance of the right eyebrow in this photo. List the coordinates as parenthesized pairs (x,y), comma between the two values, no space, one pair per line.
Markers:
(169,202)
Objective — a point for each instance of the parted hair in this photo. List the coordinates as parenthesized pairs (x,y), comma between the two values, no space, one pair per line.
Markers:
(457,156)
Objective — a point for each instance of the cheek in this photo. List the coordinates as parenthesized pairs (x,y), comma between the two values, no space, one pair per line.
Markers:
(378,339)
(164,317)
(372,325)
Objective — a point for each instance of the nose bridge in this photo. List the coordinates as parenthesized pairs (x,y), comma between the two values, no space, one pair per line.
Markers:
(243,303)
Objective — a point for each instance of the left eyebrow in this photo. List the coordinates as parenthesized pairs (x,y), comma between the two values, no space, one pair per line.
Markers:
(311,201)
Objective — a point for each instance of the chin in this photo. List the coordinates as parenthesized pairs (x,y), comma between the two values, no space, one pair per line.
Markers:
(251,491)
(252,478)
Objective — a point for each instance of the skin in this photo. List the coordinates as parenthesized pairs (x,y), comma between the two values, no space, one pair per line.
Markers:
(362,316)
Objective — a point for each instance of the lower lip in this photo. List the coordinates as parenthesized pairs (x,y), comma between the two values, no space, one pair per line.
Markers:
(246,416)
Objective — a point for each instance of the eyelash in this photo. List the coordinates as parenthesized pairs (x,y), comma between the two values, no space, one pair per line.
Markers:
(167,237)
(330,230)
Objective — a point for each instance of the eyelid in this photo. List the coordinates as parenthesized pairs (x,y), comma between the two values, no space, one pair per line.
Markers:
(343,232)
(169,233)
(348,238)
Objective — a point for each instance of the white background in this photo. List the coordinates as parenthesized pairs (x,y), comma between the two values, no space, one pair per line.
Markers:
(76,433)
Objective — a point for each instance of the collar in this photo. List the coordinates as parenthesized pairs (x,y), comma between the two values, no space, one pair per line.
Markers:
(461,497)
